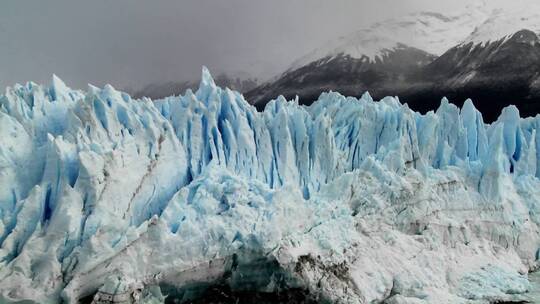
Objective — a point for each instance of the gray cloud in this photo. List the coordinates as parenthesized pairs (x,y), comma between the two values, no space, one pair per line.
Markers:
(137,42)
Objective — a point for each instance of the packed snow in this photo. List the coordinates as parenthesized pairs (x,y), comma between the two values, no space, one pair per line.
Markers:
(353,200)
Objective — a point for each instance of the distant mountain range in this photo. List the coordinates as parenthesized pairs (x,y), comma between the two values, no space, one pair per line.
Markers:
(492,57)
(240,82)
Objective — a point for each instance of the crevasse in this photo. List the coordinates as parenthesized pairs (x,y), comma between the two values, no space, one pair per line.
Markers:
(86,177)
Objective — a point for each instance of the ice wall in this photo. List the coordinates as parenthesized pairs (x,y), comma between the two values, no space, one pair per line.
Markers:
(82,174)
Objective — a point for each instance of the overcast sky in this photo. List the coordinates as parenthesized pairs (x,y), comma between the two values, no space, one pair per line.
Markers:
(131,43)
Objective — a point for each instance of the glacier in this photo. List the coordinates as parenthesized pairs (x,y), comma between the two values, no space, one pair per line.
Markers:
(351,200)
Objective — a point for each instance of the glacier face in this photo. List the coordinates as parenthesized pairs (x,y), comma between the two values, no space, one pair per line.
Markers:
(355,201)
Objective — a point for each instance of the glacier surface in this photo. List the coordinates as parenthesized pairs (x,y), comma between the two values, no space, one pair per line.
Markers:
(352,200)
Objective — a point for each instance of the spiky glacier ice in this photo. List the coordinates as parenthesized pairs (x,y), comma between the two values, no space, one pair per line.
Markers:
(351,200)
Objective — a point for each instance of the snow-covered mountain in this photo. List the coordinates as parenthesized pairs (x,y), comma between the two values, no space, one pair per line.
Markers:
(489,55)
(362,58)
(431,32)
(348,200)
(498,64)
(350,75)
(495,73)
